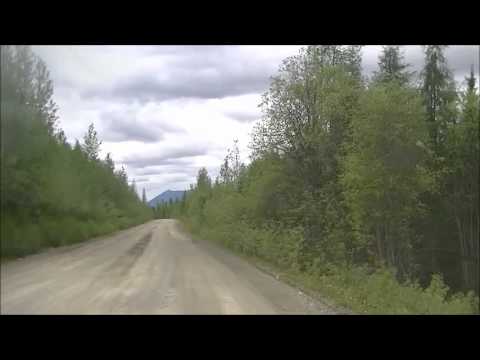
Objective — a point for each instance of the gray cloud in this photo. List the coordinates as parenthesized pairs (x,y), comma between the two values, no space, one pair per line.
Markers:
(194,71)
(180,166)
(183,50)
(155,188)
(170,181)
(123,126)
(141,180)
(90,79)
(168,157)
(244,117)
(176,181)
(168,177)
(203,72)
(149,171)
(159,160)
(208,83)
(459,59)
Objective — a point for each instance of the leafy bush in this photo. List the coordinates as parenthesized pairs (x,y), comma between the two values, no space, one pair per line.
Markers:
(381,293)
(361,289)
(52,194)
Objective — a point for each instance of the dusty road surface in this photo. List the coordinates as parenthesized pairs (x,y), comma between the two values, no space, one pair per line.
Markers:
(153,268)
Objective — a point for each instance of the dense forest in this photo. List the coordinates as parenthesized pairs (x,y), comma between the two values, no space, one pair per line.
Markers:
(52,193)
(364,188)
(170,209)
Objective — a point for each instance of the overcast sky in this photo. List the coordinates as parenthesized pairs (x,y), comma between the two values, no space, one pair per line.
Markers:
(165,111)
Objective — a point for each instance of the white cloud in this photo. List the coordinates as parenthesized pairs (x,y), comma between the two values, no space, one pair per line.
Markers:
(165,111)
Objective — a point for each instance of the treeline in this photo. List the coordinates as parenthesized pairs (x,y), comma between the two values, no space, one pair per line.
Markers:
(370,182)
(52,193)
(170,209)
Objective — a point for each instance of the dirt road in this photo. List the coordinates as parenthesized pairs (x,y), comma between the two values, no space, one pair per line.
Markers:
(151,269)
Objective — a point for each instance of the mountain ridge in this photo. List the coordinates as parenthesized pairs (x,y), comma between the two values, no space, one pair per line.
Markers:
(166,196)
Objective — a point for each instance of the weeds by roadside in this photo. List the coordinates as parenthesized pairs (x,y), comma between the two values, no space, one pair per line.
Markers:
(354,288)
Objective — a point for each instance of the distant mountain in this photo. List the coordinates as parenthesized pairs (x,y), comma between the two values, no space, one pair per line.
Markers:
(166,196)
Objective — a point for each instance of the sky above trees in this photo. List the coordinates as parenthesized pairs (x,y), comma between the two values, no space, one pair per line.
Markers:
(166,111)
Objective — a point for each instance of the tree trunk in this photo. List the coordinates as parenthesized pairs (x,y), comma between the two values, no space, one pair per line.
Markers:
(379,244)
(464,265)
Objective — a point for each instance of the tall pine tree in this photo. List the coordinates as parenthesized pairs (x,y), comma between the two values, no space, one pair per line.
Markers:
(471,80)
(91,144)
(439,93)
(392,67)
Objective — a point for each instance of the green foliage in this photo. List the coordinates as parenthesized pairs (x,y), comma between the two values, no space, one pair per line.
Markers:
(380,292)
(354,189)
(461,184)
(91,143)
(168,210)
(52,194)
(391,67)
(356,288)
(385,171)
(439,93)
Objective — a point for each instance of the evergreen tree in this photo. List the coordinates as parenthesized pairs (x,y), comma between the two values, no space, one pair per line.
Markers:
(61,137)
(23,73)
(91,143)
(203,180)
(439,93)
(385,172)
(77,146)
(109,163)
(353,59)
(442,115)
(232,166)
(122,175)
(225,173)
(43,101)
(144,196)
(392,66)
(461,191)
(133,187)
(49,190)
(471,82)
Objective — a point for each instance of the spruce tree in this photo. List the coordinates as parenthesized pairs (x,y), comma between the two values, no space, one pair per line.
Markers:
(133,187)
(109,162)
(91,144)
(438,91)
(471,80)
(391,66)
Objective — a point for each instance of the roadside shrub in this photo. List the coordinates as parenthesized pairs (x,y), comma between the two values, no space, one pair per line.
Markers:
(358,288)
(381,293)
(20,239)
